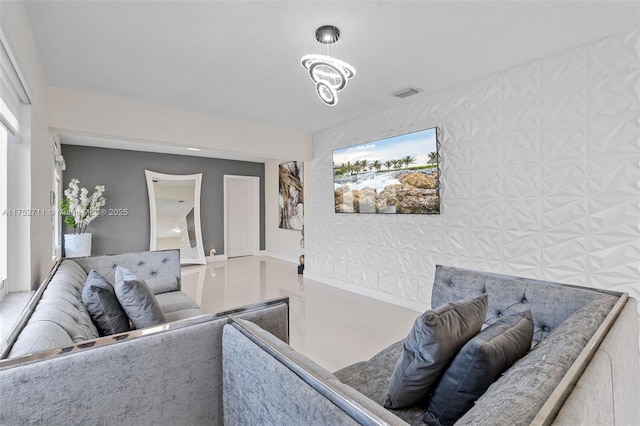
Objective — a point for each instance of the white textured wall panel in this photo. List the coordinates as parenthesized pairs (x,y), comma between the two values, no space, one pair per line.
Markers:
(540,178)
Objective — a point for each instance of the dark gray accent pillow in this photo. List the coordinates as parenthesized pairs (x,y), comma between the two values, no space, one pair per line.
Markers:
(137,299)
(436,337)
(106,312)
(480,362)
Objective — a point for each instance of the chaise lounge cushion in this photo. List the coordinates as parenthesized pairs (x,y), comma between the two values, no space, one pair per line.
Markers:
(436,337)
(107,314)
(137,300)
(480,362)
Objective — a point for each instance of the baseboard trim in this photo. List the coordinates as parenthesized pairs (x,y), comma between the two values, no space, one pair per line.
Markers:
(278,256)
(363,291)
(216,258)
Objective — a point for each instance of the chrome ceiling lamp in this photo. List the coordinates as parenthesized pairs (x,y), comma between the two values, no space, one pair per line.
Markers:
(329,74)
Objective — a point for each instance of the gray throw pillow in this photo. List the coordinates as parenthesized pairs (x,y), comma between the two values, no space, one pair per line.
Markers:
(436,337)
(480,362)
(137,299)
(106,312)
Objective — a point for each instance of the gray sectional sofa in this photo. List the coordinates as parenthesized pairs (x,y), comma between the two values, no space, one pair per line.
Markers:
(236,368)
(55,369)
(57,317)
(582,370)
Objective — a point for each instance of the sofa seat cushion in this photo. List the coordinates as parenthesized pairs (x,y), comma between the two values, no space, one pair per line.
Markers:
(163,284)
(174,301)
(389,355)
(371,379)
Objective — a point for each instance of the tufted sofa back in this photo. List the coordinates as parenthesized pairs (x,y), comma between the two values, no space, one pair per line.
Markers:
(59,317)
(550,303)
(147,265)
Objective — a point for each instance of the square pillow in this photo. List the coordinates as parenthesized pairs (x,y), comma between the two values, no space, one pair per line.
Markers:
(137,300)
(99,296)
(436,337)
(480,362)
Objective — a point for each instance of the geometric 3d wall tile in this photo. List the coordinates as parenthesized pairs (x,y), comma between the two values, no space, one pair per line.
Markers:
(540,178)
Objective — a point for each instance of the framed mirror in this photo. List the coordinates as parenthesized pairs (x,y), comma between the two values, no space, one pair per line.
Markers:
(174,205)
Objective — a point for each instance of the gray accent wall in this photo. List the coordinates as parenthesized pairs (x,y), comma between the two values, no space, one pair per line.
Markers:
(122,173)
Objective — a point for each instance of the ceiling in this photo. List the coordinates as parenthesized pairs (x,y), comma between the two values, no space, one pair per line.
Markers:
(241,60)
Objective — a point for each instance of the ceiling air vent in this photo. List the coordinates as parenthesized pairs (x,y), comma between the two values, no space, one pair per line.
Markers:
(406,92)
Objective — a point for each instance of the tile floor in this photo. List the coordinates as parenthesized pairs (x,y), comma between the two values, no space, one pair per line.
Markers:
(331,326)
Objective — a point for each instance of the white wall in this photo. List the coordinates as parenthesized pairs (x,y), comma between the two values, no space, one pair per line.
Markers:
(87,114)
(80,113)
(540,168)
(30,162)
(280,243)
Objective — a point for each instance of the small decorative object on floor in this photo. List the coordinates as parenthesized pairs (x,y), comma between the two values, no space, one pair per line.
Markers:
(79,210)
(301,258)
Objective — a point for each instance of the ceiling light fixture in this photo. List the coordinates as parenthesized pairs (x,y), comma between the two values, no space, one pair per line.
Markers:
(330,75)
(327,34)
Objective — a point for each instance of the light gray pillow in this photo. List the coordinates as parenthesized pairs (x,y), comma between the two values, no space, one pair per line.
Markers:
(137,300)
(436,337)
(480,362)
(106,312)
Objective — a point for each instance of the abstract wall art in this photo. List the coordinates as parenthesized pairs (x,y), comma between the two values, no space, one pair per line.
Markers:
(291,199)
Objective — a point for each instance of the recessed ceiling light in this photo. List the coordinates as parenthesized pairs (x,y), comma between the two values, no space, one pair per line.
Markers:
(193,149)
(327,34)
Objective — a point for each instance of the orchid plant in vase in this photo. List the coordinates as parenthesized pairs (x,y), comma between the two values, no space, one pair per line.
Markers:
(78,208)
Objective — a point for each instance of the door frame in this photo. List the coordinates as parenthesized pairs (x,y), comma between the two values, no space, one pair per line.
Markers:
(255,220)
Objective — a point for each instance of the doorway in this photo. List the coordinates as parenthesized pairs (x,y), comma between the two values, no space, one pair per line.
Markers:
(241,215)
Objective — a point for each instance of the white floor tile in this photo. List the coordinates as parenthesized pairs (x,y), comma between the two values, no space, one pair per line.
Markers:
(333,327)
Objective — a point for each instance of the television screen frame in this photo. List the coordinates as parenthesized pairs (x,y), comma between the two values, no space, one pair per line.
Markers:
(400,175)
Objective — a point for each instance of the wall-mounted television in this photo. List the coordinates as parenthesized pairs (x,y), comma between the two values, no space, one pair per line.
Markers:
(396,175)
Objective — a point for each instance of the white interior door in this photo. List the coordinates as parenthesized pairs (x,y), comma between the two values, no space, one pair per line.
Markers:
(241,215)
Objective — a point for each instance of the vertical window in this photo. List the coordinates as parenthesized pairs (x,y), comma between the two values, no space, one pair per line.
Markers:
(4,139)
(56,197)
(13,97)
(8,130)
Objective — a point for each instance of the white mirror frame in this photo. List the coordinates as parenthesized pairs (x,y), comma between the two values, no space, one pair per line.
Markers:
(197,178)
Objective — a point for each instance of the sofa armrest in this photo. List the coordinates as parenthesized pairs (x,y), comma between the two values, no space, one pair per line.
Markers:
(265,379)
(611,378)
(167,374)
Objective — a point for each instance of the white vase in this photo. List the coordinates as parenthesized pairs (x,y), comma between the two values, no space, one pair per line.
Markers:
(77,245)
